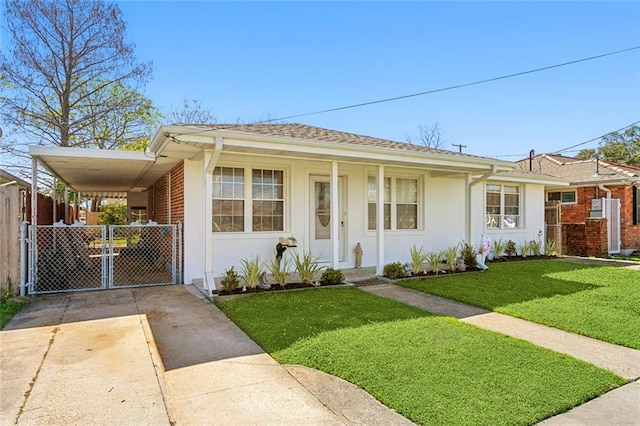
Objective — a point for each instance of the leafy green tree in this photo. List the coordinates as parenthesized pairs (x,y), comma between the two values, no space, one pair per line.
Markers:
(586,154)
(618,147)
(71,79)
(113,214)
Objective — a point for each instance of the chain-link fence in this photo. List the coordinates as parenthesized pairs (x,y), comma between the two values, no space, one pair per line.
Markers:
(69,258)
(142,255)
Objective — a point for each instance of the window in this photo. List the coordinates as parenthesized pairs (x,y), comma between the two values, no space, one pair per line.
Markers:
(503,206)
(400,203)
(568,197)
(139,214)
(266,195)
(268,200)
(228,199)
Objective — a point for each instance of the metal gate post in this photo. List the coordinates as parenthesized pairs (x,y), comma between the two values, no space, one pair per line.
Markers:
(33,264)
(23,258)
(174,264)
(109,270)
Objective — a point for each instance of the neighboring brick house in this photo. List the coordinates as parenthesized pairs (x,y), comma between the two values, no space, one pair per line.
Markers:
(592,179)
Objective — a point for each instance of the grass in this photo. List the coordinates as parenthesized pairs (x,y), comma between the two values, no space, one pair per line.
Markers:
(599,302)
(610,312)
(433,370)
(504,283)
(277,320)
(8,308)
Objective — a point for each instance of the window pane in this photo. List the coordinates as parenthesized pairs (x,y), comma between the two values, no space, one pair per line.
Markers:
(372,215)
(493,220)
(228,203)
(553,196)
(493,188)
(407,216)
(406,190)
(268,200)
(569,197)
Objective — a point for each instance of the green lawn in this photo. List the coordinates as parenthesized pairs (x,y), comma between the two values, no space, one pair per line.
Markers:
(600,302)
(433,370)
(8,308)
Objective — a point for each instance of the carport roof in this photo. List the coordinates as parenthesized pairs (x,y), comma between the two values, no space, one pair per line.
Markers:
(103,172)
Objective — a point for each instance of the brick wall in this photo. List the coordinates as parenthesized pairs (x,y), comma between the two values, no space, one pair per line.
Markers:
(166,197)
(629,233)
(579,212)
(588,238)
(573,239)
(597,242)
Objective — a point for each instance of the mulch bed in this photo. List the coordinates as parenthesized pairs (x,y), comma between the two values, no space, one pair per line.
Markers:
(274,287)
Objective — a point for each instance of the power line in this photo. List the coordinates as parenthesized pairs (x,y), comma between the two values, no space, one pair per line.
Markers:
(570,147)
(458,86)
(595,139)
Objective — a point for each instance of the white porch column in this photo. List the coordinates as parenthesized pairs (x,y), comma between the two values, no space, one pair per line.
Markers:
(210,160)
(467,208)
(66,205)
(380,221)
(336,216)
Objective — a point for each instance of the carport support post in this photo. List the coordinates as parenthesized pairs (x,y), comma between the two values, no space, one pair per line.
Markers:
(34,191)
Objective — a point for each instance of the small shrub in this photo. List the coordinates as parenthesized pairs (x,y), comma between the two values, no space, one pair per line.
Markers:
(306,267)
(498,246)
(535,248)
(332,276)
(450,255)
(230,280)
(433,259)
(418,257)
(250,271)
(524,249)
(394,270)
(510,248)
(551,248)
(280,270)
(468,255)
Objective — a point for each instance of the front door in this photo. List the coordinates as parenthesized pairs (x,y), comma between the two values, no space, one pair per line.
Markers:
(320,218)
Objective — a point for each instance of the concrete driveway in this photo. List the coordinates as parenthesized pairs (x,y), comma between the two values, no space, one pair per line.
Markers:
(158,355)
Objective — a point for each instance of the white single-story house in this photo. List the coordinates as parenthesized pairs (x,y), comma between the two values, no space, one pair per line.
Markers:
(238,188)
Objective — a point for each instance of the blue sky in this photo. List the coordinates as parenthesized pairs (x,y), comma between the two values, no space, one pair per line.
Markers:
(250,60)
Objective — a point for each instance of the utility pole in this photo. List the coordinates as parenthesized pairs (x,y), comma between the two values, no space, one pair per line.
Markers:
(460,146)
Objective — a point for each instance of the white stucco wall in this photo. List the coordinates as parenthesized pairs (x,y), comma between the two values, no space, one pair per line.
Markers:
(441,215)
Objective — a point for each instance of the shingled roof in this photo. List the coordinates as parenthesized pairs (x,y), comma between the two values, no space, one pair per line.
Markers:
(312,133)
(581,171)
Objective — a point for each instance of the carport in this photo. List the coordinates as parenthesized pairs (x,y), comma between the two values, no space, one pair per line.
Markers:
(70,255)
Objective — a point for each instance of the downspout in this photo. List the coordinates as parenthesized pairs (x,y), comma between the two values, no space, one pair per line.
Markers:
(605,189)
(210,160)
(470,183)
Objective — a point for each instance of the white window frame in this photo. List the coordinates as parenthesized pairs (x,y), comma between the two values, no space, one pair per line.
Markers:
(574,192)
(393,202)
(248,199)
(501,219)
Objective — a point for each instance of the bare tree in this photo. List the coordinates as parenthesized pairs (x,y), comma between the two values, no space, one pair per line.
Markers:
(71,79)
(431,136)
(192,112)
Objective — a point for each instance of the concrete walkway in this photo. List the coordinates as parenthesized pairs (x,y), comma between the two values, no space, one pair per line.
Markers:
(620,406)
(158,356)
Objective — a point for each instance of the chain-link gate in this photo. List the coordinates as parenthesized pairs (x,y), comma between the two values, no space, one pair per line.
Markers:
(142,255)
(72,258)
